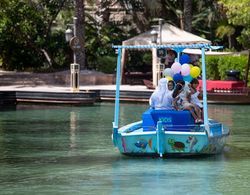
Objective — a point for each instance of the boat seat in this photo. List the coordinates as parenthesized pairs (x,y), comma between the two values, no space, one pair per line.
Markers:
(172,120)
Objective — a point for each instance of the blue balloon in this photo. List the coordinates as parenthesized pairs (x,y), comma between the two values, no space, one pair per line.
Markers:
(187,78)
(184,59)
(177,77)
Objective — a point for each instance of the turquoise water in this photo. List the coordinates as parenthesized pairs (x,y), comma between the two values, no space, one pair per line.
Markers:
(68,150)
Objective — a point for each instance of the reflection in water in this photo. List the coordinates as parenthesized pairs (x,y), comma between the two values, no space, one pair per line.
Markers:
(167,176)
(72,129)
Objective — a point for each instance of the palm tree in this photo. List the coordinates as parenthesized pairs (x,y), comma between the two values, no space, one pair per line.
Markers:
(187,15)
(80,31)
(226,30)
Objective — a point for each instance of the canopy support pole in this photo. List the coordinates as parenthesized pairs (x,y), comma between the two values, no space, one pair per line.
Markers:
(117,97)
(154,65)
(204,87)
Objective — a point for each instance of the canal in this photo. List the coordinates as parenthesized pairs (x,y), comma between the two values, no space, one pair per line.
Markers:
(68,150)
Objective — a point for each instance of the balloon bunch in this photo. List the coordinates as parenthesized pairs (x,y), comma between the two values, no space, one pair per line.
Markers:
(182,70)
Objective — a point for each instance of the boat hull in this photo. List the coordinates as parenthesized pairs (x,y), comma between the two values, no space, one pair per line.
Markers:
(132,140)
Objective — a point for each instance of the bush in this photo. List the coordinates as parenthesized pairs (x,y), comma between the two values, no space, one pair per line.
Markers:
(106,64)
(218,65)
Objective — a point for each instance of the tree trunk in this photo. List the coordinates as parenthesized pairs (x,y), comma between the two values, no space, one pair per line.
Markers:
(188,15)
(80,32)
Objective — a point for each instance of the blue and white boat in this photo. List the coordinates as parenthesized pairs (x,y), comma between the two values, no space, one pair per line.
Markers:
(162,132)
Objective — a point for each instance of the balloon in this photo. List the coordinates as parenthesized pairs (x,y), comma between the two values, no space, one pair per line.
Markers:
(188,78)
(177,77)
(176,67)
(169,78)
(185,70)
(195,72)
(168,72)
(184,59)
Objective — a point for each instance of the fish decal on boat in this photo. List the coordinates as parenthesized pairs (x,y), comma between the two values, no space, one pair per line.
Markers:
(176,146)
(142,143)
(192,140)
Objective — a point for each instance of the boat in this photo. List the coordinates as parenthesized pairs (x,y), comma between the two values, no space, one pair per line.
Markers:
(164,133)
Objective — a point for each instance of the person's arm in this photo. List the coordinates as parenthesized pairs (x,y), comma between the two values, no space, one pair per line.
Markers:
(192,90)
(199,95)
(188,95)
(175,103)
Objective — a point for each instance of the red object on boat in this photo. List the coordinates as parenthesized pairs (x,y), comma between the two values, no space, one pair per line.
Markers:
(217,84)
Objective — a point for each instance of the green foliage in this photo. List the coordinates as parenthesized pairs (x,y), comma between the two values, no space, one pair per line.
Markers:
(106,64)
(98,44)
(27,41)
(238,14)
(212,63)
(28,35)
(232,62)
(218,65)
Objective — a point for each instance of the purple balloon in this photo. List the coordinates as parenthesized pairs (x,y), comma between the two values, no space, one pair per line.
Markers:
(184,59)
(177,77)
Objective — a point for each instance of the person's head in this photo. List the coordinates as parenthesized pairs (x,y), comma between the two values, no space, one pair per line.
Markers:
(162,84)
(178,87)
(171,85)
(194,83)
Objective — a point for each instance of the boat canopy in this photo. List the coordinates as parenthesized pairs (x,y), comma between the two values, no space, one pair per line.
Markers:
(179,47)
(213,53)
(170,34)
(169,37)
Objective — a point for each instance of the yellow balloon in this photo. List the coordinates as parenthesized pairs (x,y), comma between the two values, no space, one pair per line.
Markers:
(169,78)
(195,72)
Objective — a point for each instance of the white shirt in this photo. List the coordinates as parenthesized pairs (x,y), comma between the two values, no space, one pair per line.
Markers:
(195,100)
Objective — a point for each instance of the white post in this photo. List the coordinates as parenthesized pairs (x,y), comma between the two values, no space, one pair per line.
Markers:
(154,67)
(204,88)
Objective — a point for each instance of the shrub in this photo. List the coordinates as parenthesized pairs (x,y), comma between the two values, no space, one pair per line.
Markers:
(218,65)
(107,64)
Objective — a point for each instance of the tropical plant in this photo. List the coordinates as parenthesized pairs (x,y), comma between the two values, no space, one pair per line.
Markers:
(27,39)
(238,14)
(217,66)
(80,31)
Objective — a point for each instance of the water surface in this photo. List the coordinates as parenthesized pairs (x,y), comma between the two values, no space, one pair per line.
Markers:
(68,150)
